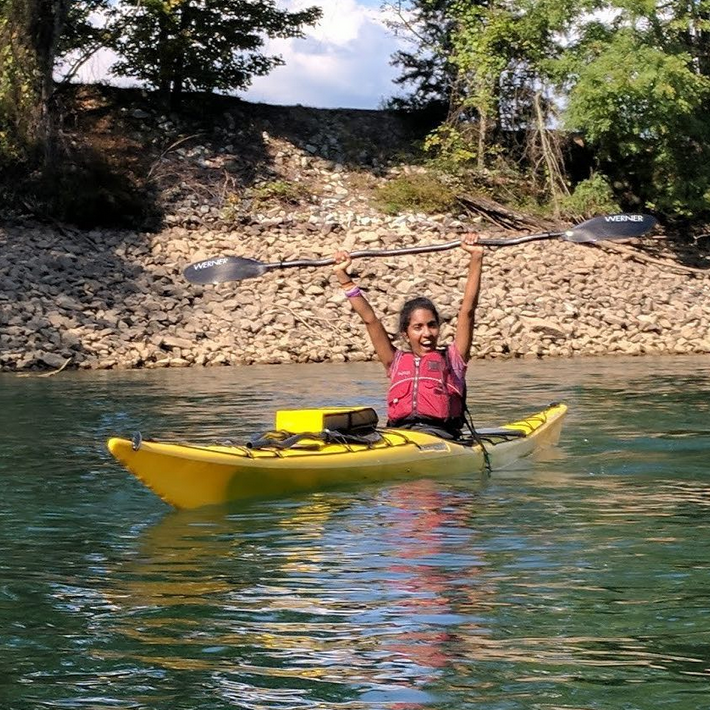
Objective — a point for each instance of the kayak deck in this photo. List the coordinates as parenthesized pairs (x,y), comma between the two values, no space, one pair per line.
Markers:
(191,476)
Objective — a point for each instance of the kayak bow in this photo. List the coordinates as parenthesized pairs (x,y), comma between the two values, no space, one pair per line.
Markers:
(191,476)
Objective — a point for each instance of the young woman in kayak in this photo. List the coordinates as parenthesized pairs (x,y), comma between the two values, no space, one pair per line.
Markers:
(427,381)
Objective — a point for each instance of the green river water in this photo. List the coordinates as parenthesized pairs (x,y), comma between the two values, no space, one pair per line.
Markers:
(577,581)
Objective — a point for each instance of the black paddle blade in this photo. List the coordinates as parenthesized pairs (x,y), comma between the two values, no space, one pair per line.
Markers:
(611,226)
(223,268)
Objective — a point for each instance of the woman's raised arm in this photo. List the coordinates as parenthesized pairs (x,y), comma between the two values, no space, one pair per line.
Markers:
(378,335)
(467,313)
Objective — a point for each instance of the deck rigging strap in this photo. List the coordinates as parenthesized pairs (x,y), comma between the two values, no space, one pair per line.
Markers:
(468,419)
(285,440)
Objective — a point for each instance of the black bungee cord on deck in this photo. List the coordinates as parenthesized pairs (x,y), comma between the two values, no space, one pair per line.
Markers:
(468,419)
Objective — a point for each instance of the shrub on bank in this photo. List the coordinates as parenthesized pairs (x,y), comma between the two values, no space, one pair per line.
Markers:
(420,192)
(590,197)
(280,191)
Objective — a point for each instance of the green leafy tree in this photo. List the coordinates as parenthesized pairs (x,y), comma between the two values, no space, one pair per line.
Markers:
(501,50)
(630,77)
(18,95)
(638,91)
(208,45)
(29,37)
(426,72)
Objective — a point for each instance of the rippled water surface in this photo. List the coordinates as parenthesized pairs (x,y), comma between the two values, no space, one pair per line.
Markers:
(577,581)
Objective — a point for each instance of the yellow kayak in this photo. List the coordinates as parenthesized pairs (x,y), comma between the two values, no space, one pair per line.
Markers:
(319,449)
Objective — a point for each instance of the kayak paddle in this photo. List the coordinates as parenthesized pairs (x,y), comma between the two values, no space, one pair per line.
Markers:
(597,229)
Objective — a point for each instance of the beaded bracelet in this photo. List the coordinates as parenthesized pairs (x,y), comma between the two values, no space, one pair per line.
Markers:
(353,292)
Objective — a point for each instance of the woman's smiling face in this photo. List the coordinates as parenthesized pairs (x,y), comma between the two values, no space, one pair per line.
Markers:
(423,331)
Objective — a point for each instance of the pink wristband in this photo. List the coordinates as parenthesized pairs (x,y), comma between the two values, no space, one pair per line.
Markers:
(353,292)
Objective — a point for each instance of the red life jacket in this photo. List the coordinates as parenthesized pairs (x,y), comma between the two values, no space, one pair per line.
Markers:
(424,388)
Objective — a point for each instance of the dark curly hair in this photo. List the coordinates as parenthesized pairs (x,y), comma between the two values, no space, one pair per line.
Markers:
(405,315)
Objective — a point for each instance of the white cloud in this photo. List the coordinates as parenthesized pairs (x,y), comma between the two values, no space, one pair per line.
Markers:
(343,62)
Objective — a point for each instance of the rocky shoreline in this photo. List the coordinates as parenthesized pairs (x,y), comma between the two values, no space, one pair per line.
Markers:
(103,300)
(275,183)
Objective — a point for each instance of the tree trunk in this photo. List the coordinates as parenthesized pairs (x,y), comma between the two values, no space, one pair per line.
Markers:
(702,43)
(45,27)
(178,68)
(482,139)
(165,63)
(176,93)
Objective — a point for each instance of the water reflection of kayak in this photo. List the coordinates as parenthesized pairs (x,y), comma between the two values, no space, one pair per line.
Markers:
(346,449)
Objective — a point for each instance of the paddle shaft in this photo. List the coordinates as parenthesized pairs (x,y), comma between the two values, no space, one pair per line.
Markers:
(297,263)
(235,268)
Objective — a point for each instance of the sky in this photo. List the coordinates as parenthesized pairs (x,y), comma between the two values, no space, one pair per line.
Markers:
(343,62)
